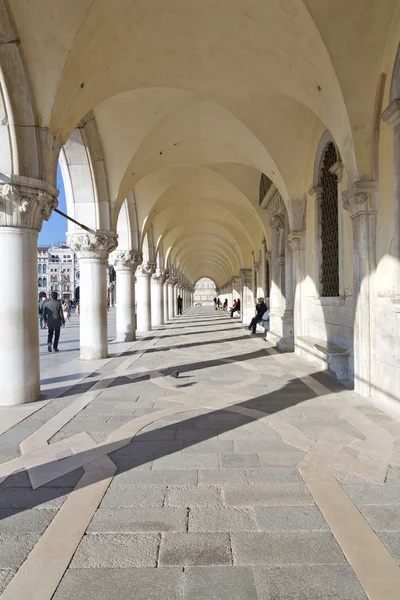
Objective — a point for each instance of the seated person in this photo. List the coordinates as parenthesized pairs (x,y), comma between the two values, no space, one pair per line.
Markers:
(261,309)
(235,307)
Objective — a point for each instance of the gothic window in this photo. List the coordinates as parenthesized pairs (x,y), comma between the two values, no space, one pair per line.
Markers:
(329,225)
(40,283)
(44,269)
(44,282)
(39,268)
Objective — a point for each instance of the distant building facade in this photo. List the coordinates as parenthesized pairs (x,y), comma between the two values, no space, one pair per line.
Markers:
(58,271)
(204,292)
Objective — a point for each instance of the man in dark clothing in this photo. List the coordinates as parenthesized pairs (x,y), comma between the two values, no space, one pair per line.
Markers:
(54,318)
(180,304)
(261,309)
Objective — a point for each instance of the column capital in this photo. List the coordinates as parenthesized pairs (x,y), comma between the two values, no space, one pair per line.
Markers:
(361,198)
(93,245)
(392,114)
(26,202)
(268,255)
(159,276)
(316,191)
(277,222)
(337,169)
(245,272)
(171,279)
(125,260)
(146,268)
(296,240)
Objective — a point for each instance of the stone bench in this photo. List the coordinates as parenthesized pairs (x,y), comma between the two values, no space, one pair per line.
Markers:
(327,355)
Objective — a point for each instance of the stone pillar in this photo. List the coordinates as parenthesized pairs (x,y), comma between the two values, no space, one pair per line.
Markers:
(246,294)
(165,296)
(143,295)
(176,294)
(24,203)
(392,116)
(157,297)
(275,332)
(361,201)
(125,263)
(93,250)
(296,240)
(236,287)
(171,300)
(287,342)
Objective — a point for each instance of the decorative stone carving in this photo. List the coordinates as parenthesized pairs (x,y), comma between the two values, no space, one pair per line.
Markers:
(93,245)
(146,269)
(277,222)
(171,279)
(125,260)
(392,114)
(159,276)
(296,240)
(26,202)
(316,191)
(337,169)
(273,202)
(268,255)
(361,198)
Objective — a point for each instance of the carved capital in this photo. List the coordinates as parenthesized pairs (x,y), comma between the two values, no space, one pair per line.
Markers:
(296,240)
(277,222)
(337,169)
(316,191)
(159,276)
(26,202)
(172,280)
(273,201)
(146,269)
(93,245)
(392,114)
(268,255)
(125,260)
(361,198)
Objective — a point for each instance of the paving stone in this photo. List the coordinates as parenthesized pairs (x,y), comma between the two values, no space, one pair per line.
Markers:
(9,452)
(365,493)
(273,494)
(250,432)
(131,520)
(281,459)
(117,551)
(391,539)
(21,479)
(179,549)
(220,583)
(157,434)
(308,583)
(208,446)
(121,584)
(187,461)
(239,461)
(127,466)
(224,476)
(149,449)
(274,475)
(5,577)
(24,498)
(15,548)
(262,447)
(19,522)
(293,518)
(283,548)
(133,496)
(201,495)
(195,436)
(224,519)
(382,518)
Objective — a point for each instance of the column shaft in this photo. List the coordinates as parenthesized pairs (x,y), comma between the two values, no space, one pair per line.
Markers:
(247,297)
(171,301)
(143,302)
(157,299)
(93,309)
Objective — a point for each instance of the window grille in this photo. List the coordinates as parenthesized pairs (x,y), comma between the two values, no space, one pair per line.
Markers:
(329,225)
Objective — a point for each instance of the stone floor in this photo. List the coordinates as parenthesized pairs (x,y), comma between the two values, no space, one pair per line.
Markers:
(248,475)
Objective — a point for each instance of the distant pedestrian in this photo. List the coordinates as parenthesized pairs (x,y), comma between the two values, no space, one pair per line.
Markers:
(219,304)
(215,304)
(261,309)
(180,305)
(41,305)
(225,307)
(67,311)
(235,307)
(54,318)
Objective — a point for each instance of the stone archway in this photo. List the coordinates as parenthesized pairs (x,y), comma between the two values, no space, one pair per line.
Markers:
(204,292)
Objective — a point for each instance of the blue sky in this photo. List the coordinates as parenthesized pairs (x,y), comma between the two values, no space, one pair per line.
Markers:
(55,228)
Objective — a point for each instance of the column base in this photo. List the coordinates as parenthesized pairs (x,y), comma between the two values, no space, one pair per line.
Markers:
(92,354)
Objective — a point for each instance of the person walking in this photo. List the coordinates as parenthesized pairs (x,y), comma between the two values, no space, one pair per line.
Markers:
(54,318)
(261,309)
(215,304)
(180,305)
(42,301)
(225,306)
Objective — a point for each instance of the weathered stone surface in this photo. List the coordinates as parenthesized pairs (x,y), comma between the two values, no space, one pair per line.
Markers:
(179,549)
(239,461)
(5,577)
(20,522)
(283,548)
(121,584)
(277,475)
(292,518)
(187,461)
(133,496)
(202,495)
(15,548)
(119,551)
(308,583)
(131,520)
(281,459)
(274,494)
(223,476)
(208,446)
(25,498)
(224,519)
(224,583)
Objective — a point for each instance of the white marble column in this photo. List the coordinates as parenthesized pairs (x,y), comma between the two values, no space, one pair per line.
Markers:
(171,300)
(361,200)
(296,240)
(157,297)
(93,251)
(23,205)
(287,342)
(165,297)
(275,332)
(143,295)
(125,263)
(246,294)
(392,116)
